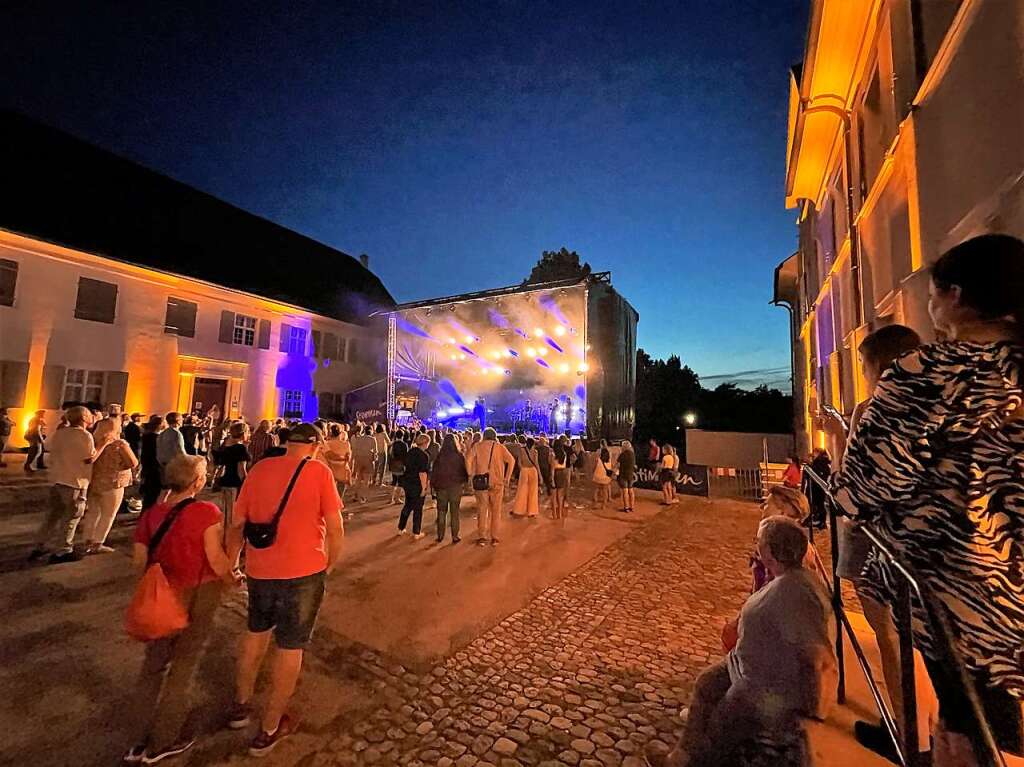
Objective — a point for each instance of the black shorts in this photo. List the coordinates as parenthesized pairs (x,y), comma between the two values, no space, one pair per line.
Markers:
(667,475)
(290,607)
(561,479)
(625,482)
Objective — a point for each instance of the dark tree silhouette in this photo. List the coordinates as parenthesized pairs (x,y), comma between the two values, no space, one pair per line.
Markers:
(666,390)
(557,265)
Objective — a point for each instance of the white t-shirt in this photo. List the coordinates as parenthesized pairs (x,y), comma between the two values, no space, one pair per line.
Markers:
(70,448)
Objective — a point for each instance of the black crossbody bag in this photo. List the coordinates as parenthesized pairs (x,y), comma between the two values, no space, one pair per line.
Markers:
(483,481)
(261,535)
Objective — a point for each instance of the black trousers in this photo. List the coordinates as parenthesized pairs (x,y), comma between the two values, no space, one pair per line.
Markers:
(414,505)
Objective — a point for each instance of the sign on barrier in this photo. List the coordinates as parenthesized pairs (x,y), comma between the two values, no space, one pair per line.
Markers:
(690,479)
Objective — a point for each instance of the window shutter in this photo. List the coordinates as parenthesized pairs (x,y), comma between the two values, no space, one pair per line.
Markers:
(286,332)
(264,335)
(343,349)
(330,351)
(352,352)
(227,327)
(8,281)
(116,387)
(325,404)
(52,391)
(13,379)
(97,300)
(180,319)
(316,343)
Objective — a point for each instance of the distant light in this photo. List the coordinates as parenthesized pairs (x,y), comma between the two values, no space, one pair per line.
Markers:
(690,419)
(588,347)
(455,357)
(539,332)
(506,354)
(462,356)
(451,340)
(559,331)
(531,352)
(496,355)
(469,339)
(485,370)
(543,351)
(564,367)
(584,367)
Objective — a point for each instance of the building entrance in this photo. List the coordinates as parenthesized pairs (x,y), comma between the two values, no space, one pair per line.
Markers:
(209,393)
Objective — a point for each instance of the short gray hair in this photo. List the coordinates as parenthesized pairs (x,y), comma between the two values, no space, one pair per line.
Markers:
(785,540)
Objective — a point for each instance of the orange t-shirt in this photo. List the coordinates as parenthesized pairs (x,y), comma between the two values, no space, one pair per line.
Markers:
(301,545)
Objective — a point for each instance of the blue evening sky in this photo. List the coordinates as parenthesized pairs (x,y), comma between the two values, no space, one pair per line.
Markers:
(453,142)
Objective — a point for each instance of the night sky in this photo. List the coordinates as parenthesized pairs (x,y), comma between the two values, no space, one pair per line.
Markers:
(453,142)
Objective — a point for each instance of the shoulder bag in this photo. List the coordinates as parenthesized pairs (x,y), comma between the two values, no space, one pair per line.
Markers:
(261,535)
(156,610)
(482,482)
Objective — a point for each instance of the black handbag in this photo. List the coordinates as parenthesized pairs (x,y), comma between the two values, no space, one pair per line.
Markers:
(482,482)
(261,535)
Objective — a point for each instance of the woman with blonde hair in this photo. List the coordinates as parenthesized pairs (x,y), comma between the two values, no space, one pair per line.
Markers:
(188,535)
(111,474)
(667,474)
(339,458)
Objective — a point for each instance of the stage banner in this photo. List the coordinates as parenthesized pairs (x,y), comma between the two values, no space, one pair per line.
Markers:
(691,479)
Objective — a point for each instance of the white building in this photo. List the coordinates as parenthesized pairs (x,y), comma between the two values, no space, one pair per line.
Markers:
(120,311)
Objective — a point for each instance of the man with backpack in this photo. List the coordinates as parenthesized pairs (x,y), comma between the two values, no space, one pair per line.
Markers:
(288,515)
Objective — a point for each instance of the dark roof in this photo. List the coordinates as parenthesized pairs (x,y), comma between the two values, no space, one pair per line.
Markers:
(63,190)
(525,287)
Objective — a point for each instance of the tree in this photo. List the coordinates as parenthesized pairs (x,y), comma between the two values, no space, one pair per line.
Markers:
(666,390)
(557,265)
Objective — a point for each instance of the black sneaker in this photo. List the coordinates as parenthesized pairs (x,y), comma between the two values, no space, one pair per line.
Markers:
(36,554)
(154,757)
(67,556)
(134,755)
(239,716)
(265,742)
(876,738)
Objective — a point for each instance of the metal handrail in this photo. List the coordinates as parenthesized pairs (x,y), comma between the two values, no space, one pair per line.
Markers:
(906,740)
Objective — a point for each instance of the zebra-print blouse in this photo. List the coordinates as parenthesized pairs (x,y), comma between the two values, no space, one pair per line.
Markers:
(936,467)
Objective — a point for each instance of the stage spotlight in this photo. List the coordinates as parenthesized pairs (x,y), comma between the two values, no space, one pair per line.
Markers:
(506,354)
(451,340)
(538,332)
(584,367)
(543,351)
(560,331)
(462,356)
(531,352)
(563,368)
(469,339)
(454,357)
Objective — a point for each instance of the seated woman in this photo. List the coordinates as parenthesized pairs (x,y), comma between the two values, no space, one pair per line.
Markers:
(782,669)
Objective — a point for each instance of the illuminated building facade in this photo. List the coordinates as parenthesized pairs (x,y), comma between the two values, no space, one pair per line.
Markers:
(121,285)
(905,128)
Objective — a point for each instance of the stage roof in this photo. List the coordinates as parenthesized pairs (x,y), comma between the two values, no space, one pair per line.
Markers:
(605,277)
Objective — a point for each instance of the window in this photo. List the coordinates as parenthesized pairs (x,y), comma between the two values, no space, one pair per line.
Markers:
(297,340)
(83,385)
(245,330)
(181,318)
(316,343)
(8,280)
(291,403)
(97,301)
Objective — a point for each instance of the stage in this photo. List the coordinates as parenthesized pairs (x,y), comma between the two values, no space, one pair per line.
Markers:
(552,358)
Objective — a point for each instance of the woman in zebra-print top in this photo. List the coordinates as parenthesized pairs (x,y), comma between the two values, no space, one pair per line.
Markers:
(936,467)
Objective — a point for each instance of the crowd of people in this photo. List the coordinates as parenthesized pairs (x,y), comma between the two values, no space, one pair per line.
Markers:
(932,462)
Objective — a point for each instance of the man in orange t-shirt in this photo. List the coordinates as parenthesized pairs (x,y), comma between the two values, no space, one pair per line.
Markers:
(286,579)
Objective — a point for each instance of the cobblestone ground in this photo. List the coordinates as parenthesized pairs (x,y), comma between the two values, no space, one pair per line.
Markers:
(585,675)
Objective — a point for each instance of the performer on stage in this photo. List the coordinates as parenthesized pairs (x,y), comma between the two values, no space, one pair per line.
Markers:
(480,413)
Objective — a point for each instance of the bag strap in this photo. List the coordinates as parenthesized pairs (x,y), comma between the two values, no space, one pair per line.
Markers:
(165,526)
(288,492)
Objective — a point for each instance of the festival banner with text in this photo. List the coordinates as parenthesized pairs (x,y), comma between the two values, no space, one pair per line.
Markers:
(690,480)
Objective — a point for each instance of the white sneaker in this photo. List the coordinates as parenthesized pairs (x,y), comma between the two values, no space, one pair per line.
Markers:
(418,536)
(402,531)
